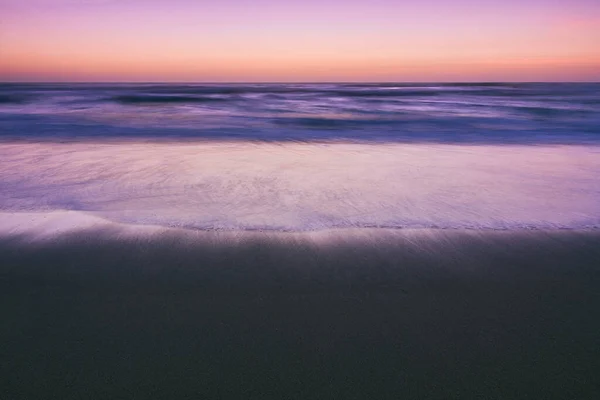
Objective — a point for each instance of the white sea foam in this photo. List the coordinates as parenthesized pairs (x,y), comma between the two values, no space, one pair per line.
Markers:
(299,186)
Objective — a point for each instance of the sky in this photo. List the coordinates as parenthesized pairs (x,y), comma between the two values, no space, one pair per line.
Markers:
(299,41)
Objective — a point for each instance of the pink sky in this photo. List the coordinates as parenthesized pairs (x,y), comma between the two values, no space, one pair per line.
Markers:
(310,40)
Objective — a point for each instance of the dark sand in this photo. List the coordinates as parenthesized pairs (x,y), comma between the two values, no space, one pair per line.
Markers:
(348,315)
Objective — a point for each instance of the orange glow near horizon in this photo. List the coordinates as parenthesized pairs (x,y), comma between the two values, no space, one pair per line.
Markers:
(132,40)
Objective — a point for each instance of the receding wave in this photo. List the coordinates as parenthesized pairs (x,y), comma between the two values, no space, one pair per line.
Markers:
(307,186)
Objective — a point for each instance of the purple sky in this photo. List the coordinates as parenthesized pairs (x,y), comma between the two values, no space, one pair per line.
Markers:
(310,40)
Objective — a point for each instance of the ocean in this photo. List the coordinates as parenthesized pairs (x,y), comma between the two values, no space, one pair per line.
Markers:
(298,157)
(470,113)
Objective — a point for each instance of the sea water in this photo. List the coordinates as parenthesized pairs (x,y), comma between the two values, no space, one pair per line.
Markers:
(297,157)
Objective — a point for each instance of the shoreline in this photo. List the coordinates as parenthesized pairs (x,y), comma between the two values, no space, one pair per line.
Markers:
(66,248)
(51,223)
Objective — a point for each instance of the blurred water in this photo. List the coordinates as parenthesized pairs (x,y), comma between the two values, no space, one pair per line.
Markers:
(472,113)
(296,157)
(288,186)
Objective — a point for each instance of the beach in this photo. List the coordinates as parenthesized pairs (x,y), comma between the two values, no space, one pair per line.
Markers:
(104,312)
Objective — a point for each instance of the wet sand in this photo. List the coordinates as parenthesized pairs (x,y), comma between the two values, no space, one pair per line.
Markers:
(355,314)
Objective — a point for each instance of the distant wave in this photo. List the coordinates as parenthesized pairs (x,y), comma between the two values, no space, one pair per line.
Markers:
(550,111)
(148,99)
(337,123)
(382,93)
